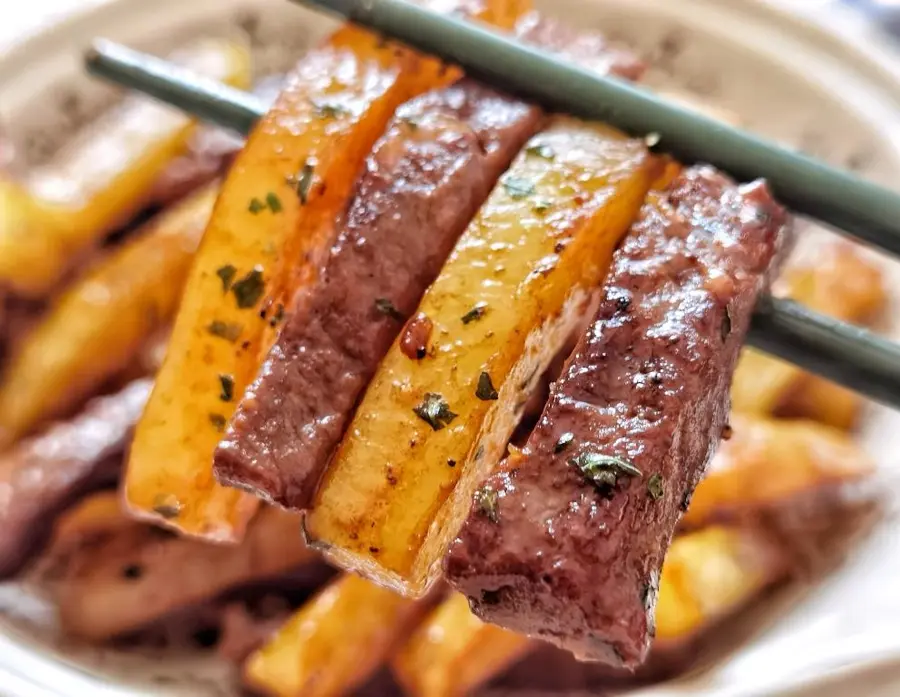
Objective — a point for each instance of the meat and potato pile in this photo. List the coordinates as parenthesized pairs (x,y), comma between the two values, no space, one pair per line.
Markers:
(420,330)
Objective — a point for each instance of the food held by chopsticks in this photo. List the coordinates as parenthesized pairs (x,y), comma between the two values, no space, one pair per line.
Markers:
(392,265)
(271,227)
(566,540)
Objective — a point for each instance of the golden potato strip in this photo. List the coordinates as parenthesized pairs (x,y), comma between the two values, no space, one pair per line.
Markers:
(839,282)
(141,574)
(453,652)
(271,225)
(333,643)
(99,325)
(710,574)
(104,176)
(768,460)
(514,287)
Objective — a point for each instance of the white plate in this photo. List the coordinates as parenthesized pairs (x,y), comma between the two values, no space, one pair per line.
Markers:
(822,82)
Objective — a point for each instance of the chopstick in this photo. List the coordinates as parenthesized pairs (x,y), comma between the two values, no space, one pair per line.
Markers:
(866,211)
(846,354)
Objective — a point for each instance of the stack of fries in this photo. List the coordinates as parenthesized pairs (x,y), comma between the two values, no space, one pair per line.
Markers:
(217,267)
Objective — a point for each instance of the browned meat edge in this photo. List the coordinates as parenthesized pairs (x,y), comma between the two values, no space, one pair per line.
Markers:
(576,561)
(424,181)
(44,474)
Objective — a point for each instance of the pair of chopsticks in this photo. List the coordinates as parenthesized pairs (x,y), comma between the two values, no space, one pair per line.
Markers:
(836,350)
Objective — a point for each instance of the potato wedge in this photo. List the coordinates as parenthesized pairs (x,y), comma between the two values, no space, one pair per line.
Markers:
(271,224)
(710,574)
(333,643)
(514,287)
(104,176)
(453,652)
(839,282)
(141,574)
(99,325)
(768,461)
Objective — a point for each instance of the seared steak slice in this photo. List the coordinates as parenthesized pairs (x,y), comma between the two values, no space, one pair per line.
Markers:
(424,181)
(572,551)
(43,474)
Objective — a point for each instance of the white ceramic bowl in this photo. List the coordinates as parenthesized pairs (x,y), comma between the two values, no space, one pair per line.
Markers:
(821,81)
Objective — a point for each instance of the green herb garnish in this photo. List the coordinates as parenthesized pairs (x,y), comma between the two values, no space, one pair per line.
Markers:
(226,273)
(249,289)
(488,502)
(541,205)
(486,390)
(565,440)
(518,188)
(226,383)
(274,202)
(225,330)
(302,181)
(475,313)
(218,421)
(540,150)
(388,309)
(655,487)
(603,470)
(434,411)
(256,206)
(330,111)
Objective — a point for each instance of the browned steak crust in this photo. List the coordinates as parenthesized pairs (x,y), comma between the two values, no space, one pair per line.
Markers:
(573,552)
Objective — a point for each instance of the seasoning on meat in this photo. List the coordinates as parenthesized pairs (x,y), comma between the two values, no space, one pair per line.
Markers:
(570,561)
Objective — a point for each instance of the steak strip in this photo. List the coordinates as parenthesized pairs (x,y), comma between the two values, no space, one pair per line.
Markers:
(584,515)
(425,180)
(44,474)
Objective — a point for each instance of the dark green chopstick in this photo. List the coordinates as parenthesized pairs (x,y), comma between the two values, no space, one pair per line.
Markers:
(196,94)
(836,350)
(868,212)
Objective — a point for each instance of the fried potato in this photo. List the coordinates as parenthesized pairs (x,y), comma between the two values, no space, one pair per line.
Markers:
(710,574)
(100,324)
(514,287)
(453,652)
(839,282)
(271,224)
(333,643)
(140,574)
(103,176)
(767,461)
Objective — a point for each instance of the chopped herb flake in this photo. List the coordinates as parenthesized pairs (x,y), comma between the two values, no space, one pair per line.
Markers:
(388,309)
(330,111)
(541,205)
(475,313)
(518,188)
(540,150)
(302,181)
(603,470)
(655,487)
(249,289)
(225,330)
(488,502)
(218,421)
(226,383)
(434,411)
(256,206)
(565,440)
(226,273)
(486,390)
(274,202)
